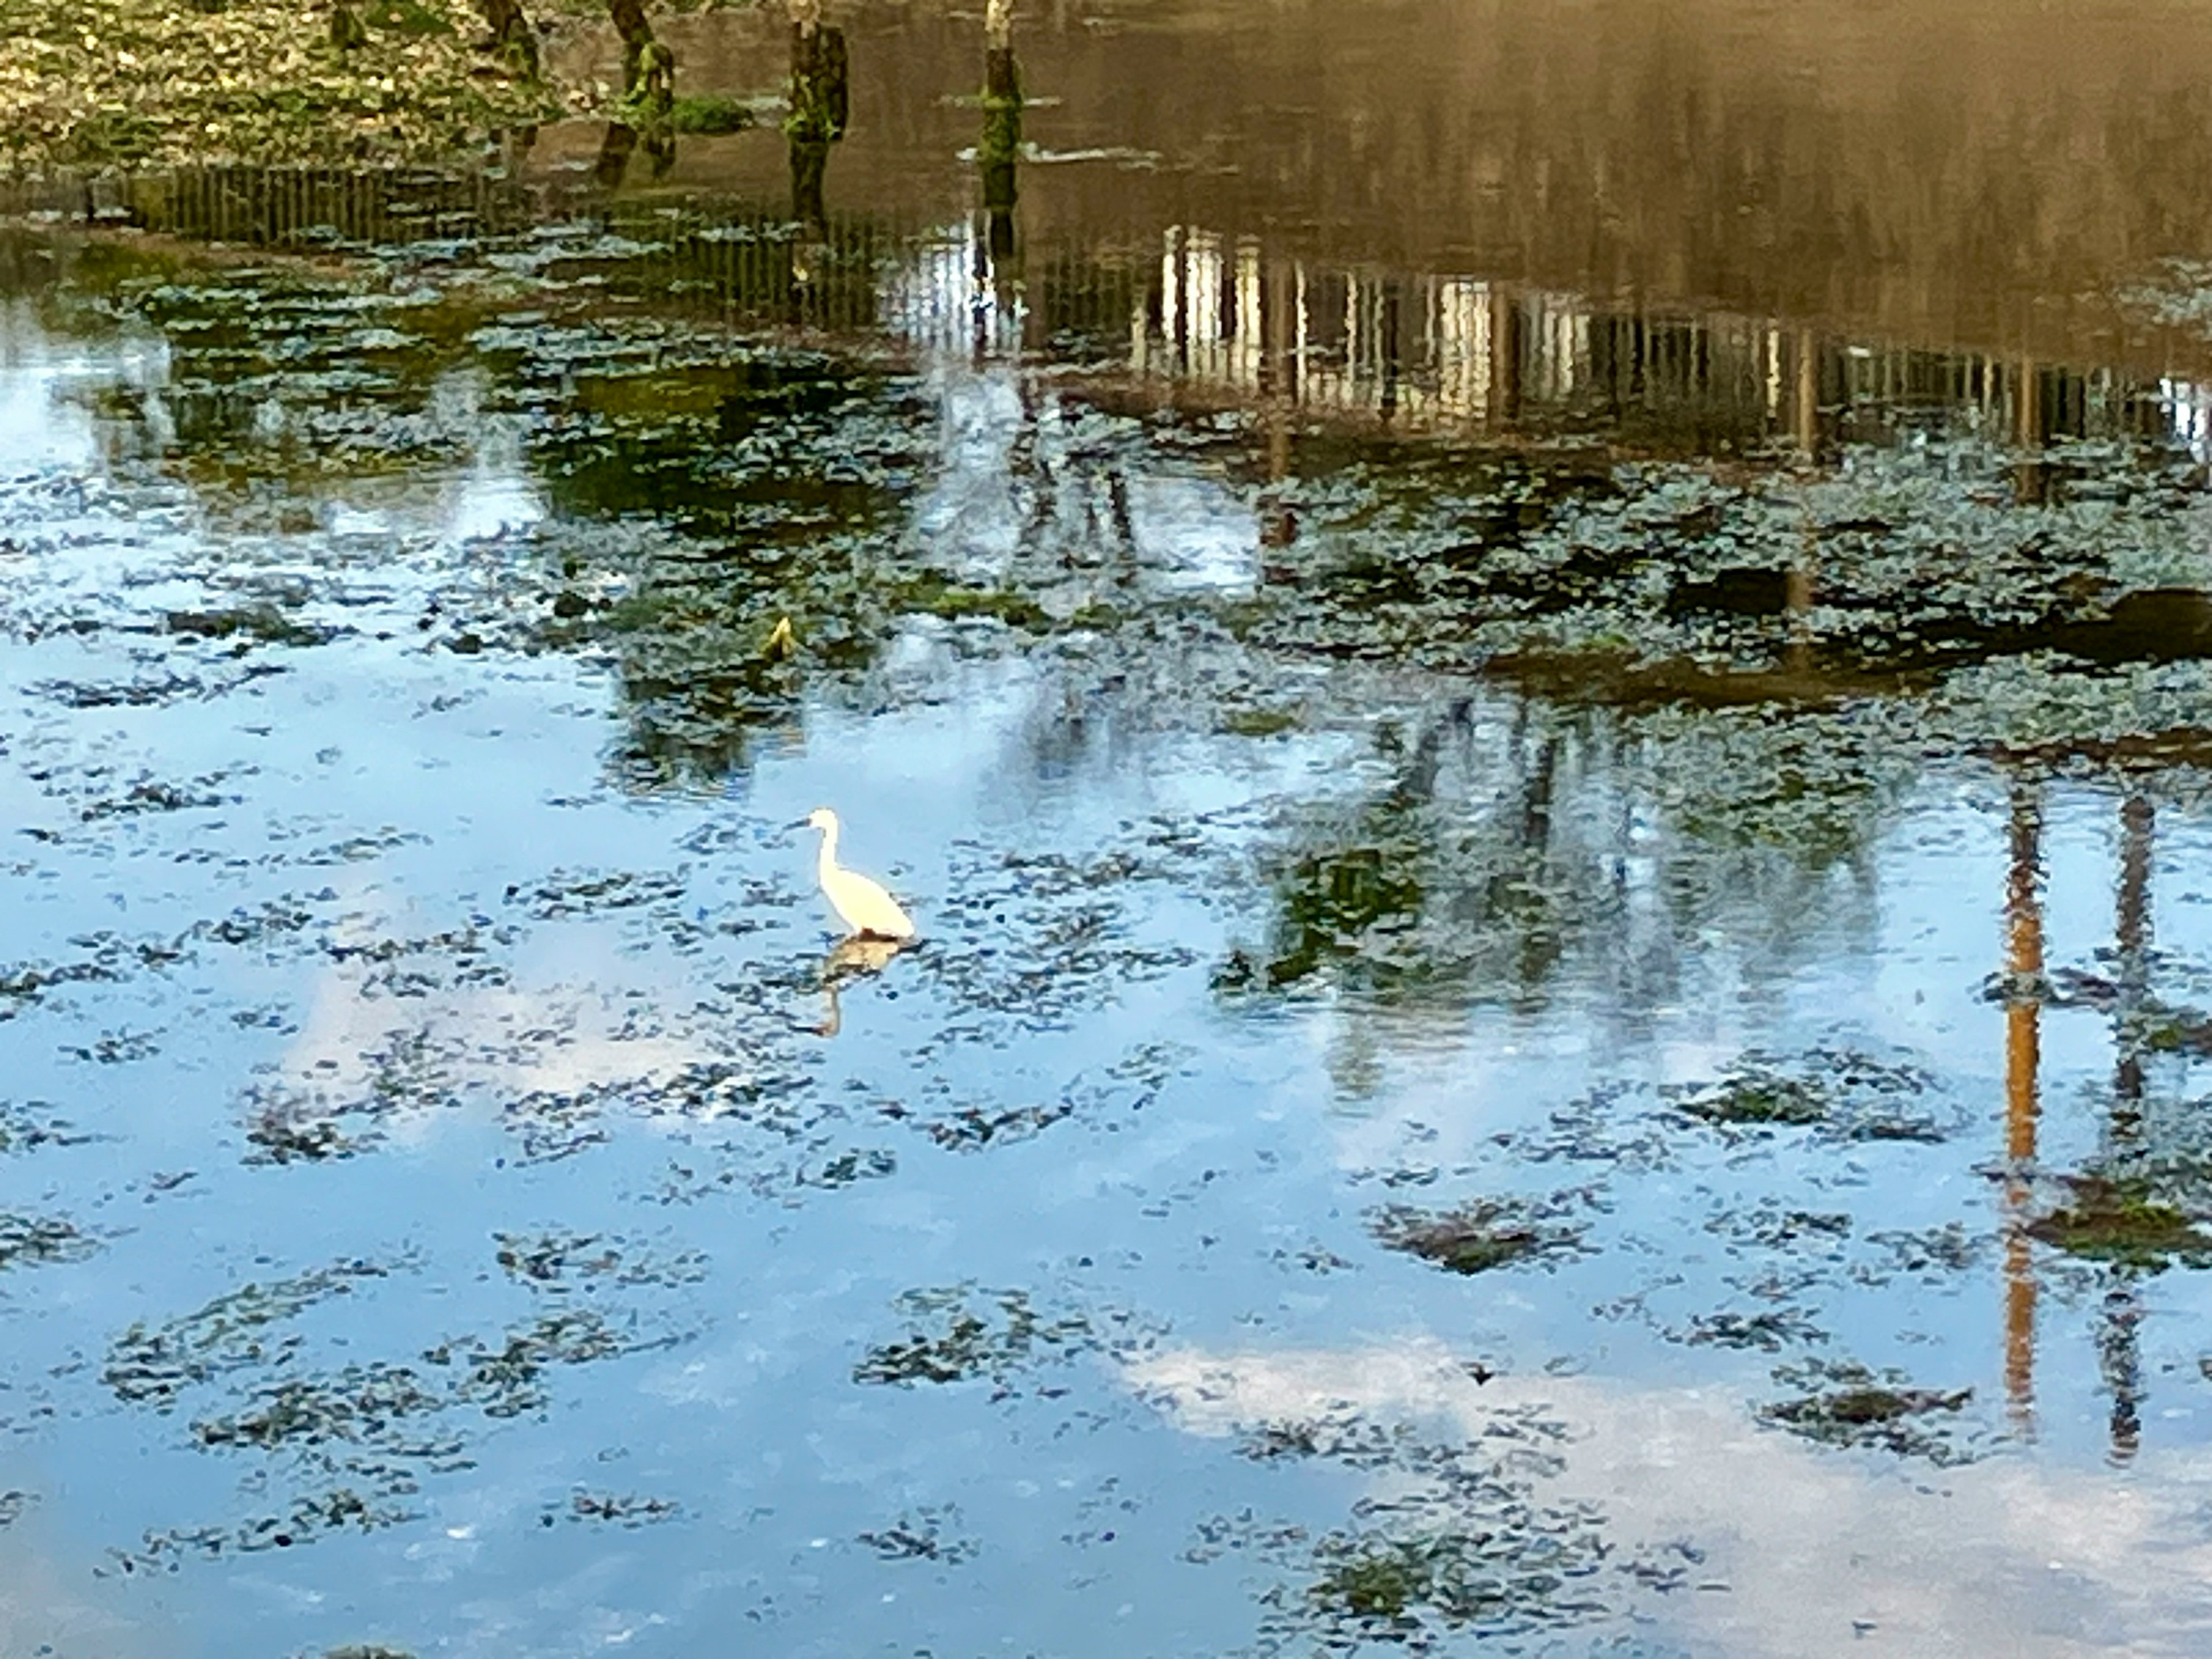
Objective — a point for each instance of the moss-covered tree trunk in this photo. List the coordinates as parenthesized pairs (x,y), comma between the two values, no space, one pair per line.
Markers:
(348,33)
(648,66)
(820,97)
(512,35)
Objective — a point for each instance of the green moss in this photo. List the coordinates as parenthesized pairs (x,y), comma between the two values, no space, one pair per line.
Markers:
(2173,1031)
(407,17)
(1849,1406)
(1374,1585)
(2121,1222)
(1330,902)
(932,596)
(99,83)
(707,113)
(1475,1238)
(262,624)
(1259,722)
(1763,1099)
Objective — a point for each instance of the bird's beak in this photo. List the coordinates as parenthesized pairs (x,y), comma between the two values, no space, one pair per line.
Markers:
(797,823)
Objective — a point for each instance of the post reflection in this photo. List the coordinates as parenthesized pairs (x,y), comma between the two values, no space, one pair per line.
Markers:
(2131,938)
(998,262)
(1277,524)
(2023,1056)
(1797,597)
(2118,1340)
(820,104)
(615,149)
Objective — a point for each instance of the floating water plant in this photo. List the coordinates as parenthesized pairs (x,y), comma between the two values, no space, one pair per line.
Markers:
(1479,1236)
(1850,1406)
(2123,1221)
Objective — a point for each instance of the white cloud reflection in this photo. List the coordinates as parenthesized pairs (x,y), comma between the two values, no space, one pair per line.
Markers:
(1820,1551)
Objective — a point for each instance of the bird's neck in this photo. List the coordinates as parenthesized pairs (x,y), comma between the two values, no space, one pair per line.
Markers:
(826,860)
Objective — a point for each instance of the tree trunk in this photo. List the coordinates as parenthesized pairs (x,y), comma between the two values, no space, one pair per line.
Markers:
(820,95)
(512,36)
(629,21)
(347,31)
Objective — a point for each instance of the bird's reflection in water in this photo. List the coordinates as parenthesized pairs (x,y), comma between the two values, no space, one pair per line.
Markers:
(859,955)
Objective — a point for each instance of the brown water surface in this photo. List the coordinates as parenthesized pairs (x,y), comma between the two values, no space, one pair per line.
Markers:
(1985,176)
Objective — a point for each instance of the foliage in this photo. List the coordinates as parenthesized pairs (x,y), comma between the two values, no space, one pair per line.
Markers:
(149,82)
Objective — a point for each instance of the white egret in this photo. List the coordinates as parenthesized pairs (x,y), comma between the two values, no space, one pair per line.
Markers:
(860,902)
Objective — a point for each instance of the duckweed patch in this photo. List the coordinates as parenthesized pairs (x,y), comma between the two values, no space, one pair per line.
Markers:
(1480,1235)
(246,625)
(566,1262)
(1849,1094)
(1459,1540)
(2124,1223)
(153,795)
(238,1330)
(1260,722)
(31,1240)
(26,1126)
(625,1510)
(924,1534)
(1848,1404)
(352,1445)
(1413,1592)
(959,1334)
(1768,1331)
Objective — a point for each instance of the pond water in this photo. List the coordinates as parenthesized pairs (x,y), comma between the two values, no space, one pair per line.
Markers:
(1537,675)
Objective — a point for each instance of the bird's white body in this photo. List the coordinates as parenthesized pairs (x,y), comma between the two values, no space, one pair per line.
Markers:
(861,903)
